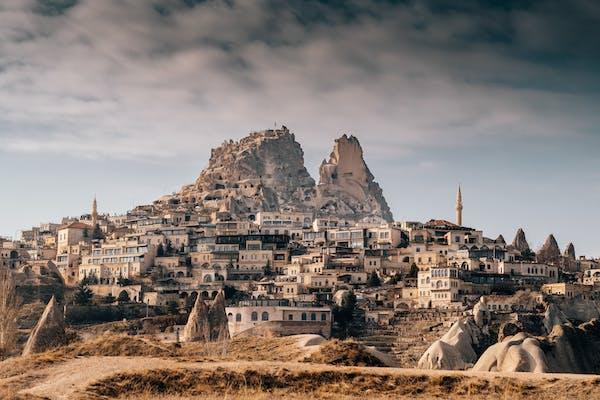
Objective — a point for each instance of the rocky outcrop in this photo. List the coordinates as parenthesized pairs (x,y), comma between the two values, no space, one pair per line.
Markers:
(575,349)
(197,328)
(262,172)
(553,316)
(508,328)
(217,319)
(518,353)
(570,252)
(520,241)
(49,332)
(456,350)
(550,252)
(346,187)
(265,172)
(566,349)
(481,312)
(207,324)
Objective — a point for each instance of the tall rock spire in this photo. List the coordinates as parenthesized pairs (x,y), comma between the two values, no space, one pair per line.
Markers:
(346,186)
(550,252)
(459,207)
(49,332)
(520,241)
(570,251)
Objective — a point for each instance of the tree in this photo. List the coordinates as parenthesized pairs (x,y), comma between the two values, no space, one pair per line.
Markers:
(173,307)
(160,250)
(124,281)
(414,271)
(83,295)
(123,297)
(157,273)
(373,280)
(90,280)
(9,306)
(233,295)
(397,277)
(268,270)
(97,233)
(109,299)
(343,312)
(169,249)
(528,255)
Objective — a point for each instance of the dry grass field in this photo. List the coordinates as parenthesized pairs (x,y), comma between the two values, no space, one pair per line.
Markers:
(123,367)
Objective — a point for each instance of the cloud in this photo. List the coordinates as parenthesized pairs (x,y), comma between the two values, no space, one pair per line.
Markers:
(132,79)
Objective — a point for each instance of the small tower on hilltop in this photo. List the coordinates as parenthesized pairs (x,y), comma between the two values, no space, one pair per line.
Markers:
(459,207)
(94,212)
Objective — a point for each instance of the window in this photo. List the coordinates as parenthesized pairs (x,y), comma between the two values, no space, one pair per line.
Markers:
(265,316)
(254,316)
(238,317)
(313,317)
(303,316)
(290,317)
(323,317)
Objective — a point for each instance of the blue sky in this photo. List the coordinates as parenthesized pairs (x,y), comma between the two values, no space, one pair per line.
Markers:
(125,99)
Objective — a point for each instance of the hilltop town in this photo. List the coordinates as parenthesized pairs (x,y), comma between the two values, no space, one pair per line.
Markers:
(255,248)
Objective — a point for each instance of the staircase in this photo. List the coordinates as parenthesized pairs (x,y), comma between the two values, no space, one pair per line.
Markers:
(406,340)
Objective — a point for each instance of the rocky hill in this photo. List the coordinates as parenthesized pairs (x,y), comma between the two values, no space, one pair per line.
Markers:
(265,172)
(346,186)
(261,172)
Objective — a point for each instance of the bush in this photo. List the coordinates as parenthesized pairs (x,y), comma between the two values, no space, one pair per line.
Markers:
(97,314)
(373,280)
(123,297)
(173,308)
(83,295)
(110,299)
(93,314)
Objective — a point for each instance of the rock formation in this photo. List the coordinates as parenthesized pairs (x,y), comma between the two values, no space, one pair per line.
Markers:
(575,349)
(553,316)
(508,328)
(455,350)
(518,353)
(570,252)
(481,312)
(265,172)
(346,186)
(566,349)
(520,242)
(217,318)
(261,172)
(49,332)
(197,328)
(207,324)
(549,253)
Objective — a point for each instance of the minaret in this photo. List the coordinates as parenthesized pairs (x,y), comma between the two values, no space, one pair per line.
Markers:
(94,212)
(459,207)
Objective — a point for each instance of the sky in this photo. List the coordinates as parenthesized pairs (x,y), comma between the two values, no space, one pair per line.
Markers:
(123,99)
